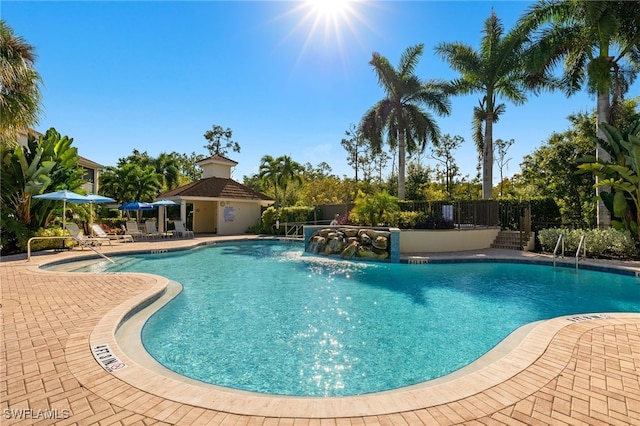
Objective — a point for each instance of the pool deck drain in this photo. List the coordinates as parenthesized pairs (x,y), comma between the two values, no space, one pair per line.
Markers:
(581,369)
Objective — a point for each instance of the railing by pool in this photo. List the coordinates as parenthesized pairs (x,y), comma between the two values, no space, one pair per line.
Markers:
(63,238)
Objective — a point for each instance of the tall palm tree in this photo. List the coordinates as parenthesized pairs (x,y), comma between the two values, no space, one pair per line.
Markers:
(494,70)
(480,114)
(408,126)
(280,172)
(130,182)
(269,174)
(168,168)
(290,172)
(598,43)
(19,84)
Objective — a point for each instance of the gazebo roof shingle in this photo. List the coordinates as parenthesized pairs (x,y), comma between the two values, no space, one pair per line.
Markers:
(214,187)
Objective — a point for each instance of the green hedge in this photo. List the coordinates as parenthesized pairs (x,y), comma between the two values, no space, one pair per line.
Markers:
(56,243)
(409,219)
(599,242)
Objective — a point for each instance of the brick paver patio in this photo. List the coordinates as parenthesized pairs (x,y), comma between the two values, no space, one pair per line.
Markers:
(585,372)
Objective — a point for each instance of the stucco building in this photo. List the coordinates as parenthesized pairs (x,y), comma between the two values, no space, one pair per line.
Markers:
(216,203)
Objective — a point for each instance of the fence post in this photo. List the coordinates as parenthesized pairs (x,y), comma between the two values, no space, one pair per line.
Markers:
(475,215)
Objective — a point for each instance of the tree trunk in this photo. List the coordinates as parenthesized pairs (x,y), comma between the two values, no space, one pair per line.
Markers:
(401,166)
(487,160)
(603,214)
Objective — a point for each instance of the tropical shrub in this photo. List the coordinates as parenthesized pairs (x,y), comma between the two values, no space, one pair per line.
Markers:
(11,232)
(297,214)
(114,225)
(599,242)
(435,222)
(255,229)
(48,163)
(409,220)
(603,242)
(38,245)
(374,210)
(621,174)
(268,219)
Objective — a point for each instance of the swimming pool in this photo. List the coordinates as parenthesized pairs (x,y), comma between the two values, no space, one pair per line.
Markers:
(264,317)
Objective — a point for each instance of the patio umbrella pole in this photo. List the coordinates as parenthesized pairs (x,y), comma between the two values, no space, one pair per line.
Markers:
(64,222)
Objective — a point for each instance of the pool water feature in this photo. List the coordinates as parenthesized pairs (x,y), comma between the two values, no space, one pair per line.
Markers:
(263,317)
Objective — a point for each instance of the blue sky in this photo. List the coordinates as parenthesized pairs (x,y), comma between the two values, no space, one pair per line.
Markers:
(285,77)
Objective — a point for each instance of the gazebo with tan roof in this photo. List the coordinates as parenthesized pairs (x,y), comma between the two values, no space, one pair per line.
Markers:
(220,205)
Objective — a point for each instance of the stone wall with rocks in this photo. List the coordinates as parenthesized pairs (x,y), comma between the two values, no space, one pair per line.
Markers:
(350,242)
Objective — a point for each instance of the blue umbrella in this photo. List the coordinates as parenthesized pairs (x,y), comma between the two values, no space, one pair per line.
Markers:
(96,198)
(137,205)
(64,196)
(165,203)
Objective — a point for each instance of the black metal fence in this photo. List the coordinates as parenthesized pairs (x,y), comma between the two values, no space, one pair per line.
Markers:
(516,216)
(462,214)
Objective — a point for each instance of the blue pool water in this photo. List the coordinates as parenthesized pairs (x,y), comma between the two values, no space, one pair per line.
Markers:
(263,317)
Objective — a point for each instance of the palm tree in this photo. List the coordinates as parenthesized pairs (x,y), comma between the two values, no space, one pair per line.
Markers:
(168,168)
(280,172)
(494,70)
(19,84)
(290,172)
(130,182)
(408,126)
(269,174)
(599,44)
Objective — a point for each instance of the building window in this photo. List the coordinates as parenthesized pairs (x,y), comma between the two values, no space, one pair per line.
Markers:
(89,175)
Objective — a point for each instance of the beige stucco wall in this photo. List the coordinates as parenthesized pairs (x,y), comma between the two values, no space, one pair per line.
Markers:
(235,217)
(216,170)
(204,216)
(432,241)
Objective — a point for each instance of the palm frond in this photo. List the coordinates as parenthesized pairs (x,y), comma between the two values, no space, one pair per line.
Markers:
(387,76)
(492,34)
(409,60)
(20,95)
(477,129)
(461,57)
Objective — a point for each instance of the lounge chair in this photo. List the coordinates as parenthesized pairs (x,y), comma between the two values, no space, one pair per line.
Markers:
(180,230)
(75,232)
(133,230)
(152,231)
(97,229)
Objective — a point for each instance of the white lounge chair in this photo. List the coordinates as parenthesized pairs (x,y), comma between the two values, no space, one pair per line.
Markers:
(133,230)
(180,230)
(77,234)
(100,233)
(152,231)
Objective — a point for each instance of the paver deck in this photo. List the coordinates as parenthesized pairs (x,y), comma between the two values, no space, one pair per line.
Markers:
(574,372)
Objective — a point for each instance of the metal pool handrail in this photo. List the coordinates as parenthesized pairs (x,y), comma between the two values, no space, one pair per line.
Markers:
(62,237)
(582,246)
(555,250)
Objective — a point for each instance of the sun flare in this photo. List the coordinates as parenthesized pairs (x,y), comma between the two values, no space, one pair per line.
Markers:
(329,8)
(331,18)
(328,27)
